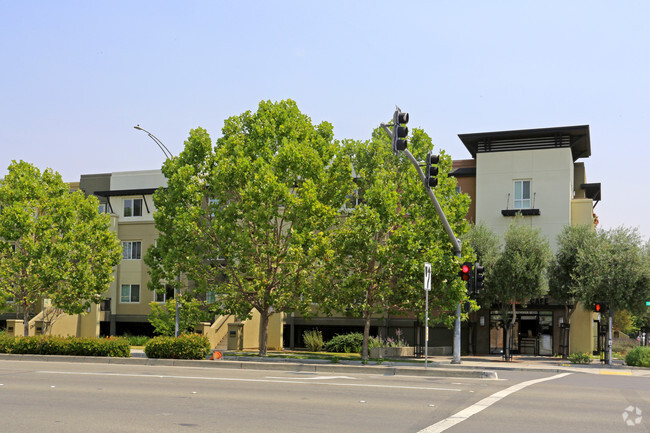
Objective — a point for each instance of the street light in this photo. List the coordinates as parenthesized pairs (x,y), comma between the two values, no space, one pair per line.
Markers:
(160,144)
(177,293)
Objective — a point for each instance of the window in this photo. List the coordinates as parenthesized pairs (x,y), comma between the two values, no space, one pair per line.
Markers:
(522,194)
(161,296)
(132,207)
(132,250)
(130,293)
(101,208)
(210,297)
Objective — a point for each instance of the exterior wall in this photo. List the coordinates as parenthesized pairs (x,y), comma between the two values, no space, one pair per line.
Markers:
(274,336)
(582,334)
(582,212)
(551,174)
(137,179)
(90,183)
(134,271)
(467,185)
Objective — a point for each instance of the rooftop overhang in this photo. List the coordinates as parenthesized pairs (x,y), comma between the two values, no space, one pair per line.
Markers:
(574,137)
(125,192)
(592,191)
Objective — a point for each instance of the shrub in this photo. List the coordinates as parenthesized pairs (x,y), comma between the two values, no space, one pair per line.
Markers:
(398,341)
(623,345)
(185,346)
(346,343)
(313,340)
(55,345)
(137,340)
(580,358)
(638,357)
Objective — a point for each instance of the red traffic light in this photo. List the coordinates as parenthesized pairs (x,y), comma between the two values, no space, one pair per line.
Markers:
(464,272)
(599,307)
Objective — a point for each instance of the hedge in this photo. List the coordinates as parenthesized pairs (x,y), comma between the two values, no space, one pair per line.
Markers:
(55,345)
(185,346)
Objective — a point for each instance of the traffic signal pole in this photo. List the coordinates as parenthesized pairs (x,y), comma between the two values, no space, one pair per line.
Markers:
(455,243)
(398,142)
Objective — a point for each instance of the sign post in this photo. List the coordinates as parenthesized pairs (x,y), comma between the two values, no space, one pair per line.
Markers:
(427,289)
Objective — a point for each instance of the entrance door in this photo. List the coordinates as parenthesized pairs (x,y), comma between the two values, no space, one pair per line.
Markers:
(528,335)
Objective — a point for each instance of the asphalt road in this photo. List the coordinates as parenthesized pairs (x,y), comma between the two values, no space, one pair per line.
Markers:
(83,397)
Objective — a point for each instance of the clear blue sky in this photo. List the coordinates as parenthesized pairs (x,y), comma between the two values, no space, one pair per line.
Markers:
(76,76)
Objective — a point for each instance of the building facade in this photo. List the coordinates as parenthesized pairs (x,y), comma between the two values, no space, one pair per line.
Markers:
(128,198)
(535,173)
(538,173)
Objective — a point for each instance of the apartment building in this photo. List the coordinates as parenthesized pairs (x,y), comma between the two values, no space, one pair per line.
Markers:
(536,173)
(128,198)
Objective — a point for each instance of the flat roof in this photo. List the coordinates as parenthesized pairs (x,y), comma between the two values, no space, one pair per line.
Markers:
(574,137)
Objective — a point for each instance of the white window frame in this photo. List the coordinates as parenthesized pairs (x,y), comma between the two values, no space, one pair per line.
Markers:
(131,250)
(129,203)
(130,296)
(164,297)
(521,201)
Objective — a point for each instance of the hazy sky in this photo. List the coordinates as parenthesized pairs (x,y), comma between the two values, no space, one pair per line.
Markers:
(76,76)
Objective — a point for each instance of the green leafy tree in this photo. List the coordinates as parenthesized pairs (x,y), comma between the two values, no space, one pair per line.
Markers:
(53,243)
(614,270)
(191,312)
(375,255)
(520,272)
(566,269)
(246,217)
(487,247)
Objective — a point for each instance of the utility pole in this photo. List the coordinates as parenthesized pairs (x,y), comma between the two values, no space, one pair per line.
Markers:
(398,136)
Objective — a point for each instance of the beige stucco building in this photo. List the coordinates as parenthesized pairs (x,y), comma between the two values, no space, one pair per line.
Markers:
(535,173)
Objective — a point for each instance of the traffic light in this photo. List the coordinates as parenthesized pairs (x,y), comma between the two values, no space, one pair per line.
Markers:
(465,274)
(399,132)
(600,307)
(478,276)
(432,170)
(467,307)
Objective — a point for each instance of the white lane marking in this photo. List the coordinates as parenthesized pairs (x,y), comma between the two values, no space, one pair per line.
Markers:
(461,416)
(230,379)
(312,377)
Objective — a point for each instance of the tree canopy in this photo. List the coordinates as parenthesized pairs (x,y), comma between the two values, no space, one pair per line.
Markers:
(515,274)
(53,244)
(614,269)
(245,218)
(375,254)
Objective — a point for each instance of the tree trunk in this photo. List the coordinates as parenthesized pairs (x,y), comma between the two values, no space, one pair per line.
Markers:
(366,336)
(264,330)
(25,321)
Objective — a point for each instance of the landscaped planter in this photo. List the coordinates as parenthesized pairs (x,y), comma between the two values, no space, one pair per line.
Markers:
(391,352)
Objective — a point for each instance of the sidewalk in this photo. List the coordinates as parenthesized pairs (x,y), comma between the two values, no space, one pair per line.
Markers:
(474,362)
(477,367)
(539,363)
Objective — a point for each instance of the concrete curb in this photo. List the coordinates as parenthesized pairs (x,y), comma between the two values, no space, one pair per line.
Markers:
(474,373)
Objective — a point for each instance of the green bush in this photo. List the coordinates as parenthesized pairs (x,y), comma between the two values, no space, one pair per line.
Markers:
(346,343)
(185,346)
(623,345)
(580,358)
(55,345)
(638,357)
(313,340)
